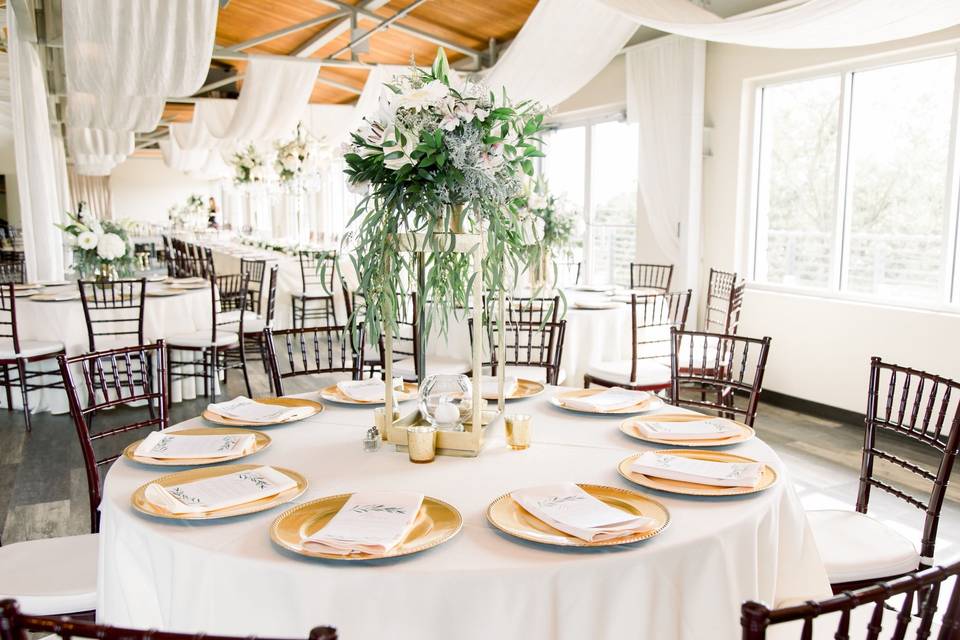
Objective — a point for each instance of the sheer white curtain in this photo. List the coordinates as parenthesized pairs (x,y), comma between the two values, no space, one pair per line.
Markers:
(209,114)
(665,85)
(97,151)
(94,191)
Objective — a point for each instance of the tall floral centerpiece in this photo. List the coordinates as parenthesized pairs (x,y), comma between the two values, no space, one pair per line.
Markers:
(296,162)
(249,167)
(192,214)
(557,232)
(439,158)
(100,248)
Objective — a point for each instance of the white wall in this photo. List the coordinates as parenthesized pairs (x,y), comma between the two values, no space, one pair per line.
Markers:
(143,189)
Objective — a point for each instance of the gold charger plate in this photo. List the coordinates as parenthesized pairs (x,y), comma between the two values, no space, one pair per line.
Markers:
(55,297)
(262,442)
(436,523)
(25,293)
(525,389)
(767,479)
(141,504)
(27,285)
(651,403)
(508,516)
(164,293)
(629,428)
(283,402)
(333,394)
(187,285)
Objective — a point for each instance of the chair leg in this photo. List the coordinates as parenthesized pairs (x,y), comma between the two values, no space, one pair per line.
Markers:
(243,368)
(214,374)
(206,379)
(8,386)
(25,391)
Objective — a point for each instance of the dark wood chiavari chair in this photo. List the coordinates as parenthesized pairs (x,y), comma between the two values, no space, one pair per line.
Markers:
(168,256)
(924,409)
(648,369)
(720,373)
(252,332)
(724,301)
(884,608)
(651,276)
(16,354)
(315,302)
(13,267)
(255,270)
(113,310)
(19,626)
(312,351)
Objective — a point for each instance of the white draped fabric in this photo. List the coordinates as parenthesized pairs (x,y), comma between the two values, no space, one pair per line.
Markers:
(94,191)
(132,113)
(369,100)
(185,160)
(209,114)
(36,159)
(816,24)
(97,151)
(328,123)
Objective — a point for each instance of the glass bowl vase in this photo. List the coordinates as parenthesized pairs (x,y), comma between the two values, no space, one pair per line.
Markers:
(445,401)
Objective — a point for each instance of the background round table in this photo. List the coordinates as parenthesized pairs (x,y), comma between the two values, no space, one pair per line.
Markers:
(688,582)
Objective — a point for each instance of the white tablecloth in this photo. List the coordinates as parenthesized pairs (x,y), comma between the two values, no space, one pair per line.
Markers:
(688,582)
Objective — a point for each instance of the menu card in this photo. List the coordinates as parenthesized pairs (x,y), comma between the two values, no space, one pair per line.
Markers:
(173,446)
(247,410)
(370,522)
(572,510)
(718,474)
(488,386)
(372,390)
(220,492)
(610,399)
(692,430)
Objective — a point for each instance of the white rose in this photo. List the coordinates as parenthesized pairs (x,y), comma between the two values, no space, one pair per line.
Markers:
(427,95)
(110,246)
(87,240)
(536,201)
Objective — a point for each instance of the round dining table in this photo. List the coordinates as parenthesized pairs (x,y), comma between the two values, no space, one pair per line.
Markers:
(227,576)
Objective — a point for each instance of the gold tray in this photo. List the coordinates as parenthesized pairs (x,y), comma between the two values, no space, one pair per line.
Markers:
(436,523)
(650,404)
(141,504)
(164,293)
(525,389)
(55,297)
(628,427)
(508,516)
(767,479)
(283,402)
(333,394)
(263,441)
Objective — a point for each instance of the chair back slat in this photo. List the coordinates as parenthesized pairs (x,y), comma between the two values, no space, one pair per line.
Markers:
(113,309)
(651,276)
(8,315)
(13,267)
(318,270)
(724,300)
(652,318)
(311,351)
(254,269)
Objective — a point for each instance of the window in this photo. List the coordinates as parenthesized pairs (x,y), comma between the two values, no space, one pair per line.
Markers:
(855,192)
(592,168)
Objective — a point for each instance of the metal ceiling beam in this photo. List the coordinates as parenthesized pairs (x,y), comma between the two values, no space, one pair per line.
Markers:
(227,54)
(279,33)
(219,83)
(363,37)
(339,85)
(328,34)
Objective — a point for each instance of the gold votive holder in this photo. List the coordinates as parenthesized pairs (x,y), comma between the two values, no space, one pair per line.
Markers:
(422,443)
(517,428)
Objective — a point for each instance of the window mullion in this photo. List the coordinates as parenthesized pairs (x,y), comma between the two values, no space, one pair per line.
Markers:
(841,245)
(588,199)
(952,219)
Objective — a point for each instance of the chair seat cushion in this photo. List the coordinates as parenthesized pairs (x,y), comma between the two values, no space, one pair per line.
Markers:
(650,372)
(405,368)
(251,324)
(854,546)
(28,348)
(537,374)
(51,576)
(202,339)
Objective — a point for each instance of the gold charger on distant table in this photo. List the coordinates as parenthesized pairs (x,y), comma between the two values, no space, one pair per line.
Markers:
(55,297)
(525,389)
(333,394)
(141,504)
(651,403)
(508,516)
(283,402)
(767,479)
(163,293)
(262,442)
(629,428)
(436,523)
(187,285)
(27,285)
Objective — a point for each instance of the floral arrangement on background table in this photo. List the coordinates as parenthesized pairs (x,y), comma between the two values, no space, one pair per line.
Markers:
(441,157)
(100,248)
(191,215)
(557,232)
(249,167)
(297,161)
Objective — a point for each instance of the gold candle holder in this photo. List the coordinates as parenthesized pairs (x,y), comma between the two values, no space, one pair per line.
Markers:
(422,444)
(517,427)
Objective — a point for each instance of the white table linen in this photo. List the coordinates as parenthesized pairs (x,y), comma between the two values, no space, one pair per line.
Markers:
(688,582)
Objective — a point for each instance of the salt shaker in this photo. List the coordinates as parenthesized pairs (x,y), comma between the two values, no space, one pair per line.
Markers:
(371,441)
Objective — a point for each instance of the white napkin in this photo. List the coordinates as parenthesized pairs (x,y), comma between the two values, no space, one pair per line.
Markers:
(717,474)
(370,522)
(247,410)
(572,510)
(221,492)
(371,390)
(692,430)
(488,386)
(171,446)
(607,400)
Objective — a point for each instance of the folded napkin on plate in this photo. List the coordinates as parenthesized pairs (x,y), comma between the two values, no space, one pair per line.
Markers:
(488,386)
(691,430)
(243,408)
(572,510)
(173,446)
(371,390)
(607,400)
(221,492)
(370,522)
(718,474)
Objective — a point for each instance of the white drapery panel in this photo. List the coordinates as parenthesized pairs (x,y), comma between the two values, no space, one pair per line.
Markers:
(209,114)
(97,151)
(816,24)
(126,113)
(185,160)
(328,123)
(6,119)
(369,100)
(92,190)
(36,161)
(665,85)
(562,46)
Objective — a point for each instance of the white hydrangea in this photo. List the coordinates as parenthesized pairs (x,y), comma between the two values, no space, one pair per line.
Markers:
(110,246)
(87,240)
(537,201)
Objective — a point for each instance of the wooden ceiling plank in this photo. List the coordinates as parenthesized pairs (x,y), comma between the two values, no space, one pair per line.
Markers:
(328,34)
(279,33)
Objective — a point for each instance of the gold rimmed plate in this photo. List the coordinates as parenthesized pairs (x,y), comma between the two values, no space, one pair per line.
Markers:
(508,516)
(283,402)
(164,293)
(262,442)
(630,428)
(436,523)
(26,293)
(525,389)
(27,285)
(650,403)
(333,394)
(187,285)
(55,297)
(767,479)
(141,504)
